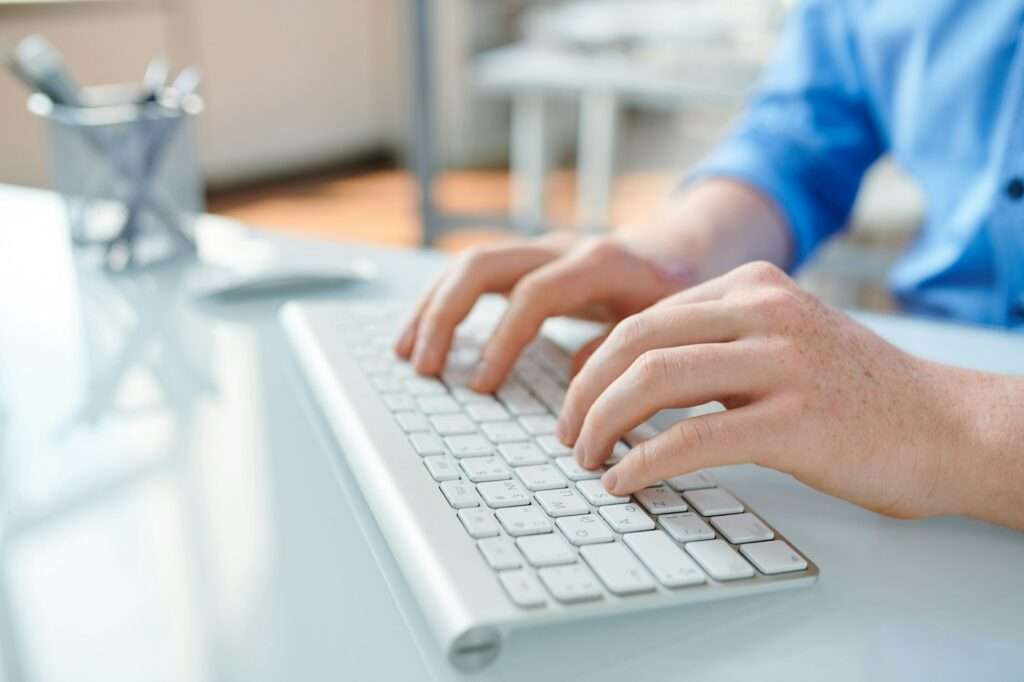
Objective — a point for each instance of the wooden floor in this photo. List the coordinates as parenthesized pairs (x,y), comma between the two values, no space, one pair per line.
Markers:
(379,207)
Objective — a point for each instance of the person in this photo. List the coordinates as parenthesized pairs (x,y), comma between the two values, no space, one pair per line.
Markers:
(704,310)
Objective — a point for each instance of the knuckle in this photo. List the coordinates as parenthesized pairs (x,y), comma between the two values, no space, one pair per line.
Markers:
(645,456)
(437,317)
(629,332)
(528,289)
(653,366)
(601,250)
(474,259)
(694,434)
(763,272)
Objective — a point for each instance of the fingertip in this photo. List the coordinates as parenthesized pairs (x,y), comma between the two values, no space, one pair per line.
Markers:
(562,431)
(403,346)
(610,480)
(425,359)
(487,377)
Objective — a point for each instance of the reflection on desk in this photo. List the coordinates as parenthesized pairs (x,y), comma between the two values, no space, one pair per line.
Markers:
(173,508)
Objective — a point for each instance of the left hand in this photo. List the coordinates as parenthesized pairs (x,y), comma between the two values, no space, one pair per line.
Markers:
(809,392)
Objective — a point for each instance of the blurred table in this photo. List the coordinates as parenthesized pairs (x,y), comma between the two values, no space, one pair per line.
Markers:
(174,509)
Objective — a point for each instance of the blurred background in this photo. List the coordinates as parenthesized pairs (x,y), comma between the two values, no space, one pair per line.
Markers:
(523,115)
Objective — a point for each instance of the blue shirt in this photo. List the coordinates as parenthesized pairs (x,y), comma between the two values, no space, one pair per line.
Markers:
(939,85)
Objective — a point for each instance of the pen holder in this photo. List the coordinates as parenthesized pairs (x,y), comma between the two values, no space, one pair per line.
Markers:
(129,176)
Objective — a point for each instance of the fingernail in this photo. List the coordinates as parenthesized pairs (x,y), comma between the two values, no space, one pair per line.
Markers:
(481,375)
(580,453)
(610,480)
(424,358)
(562,431)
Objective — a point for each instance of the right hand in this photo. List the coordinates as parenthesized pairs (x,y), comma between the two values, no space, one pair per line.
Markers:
(602,279)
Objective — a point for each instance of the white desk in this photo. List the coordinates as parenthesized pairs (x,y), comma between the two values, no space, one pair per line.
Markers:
(174,510)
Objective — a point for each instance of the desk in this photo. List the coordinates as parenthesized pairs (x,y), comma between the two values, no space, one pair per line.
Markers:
(174,509)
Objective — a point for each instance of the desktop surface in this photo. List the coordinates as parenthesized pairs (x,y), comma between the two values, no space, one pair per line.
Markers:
(175,508)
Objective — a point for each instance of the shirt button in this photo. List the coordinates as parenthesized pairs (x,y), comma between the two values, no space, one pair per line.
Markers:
(1015,189)
(1017,310)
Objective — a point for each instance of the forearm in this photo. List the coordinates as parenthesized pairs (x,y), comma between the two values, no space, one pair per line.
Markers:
(984,473)
(714,226)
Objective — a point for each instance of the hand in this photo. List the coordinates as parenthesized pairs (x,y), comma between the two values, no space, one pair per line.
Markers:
(808,391)
(560,274)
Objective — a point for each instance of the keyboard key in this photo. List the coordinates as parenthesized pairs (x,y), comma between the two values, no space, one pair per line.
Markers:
(719,560)
(503,432)
(374,365)
(660,500)
(618,452)
(426,444)
(398,402)
(713,502)
(386,383)
(740,528)
(480,469)
(596,494)
(442,467)
(523,521)
(585,530)
(617,568)
(541,477)
(549,393)
(423,386)
(512,390)
(479,523)
(774,557)
(473,445)
(450,424)
(626,518)
(437,404)
(569,584)
(554,447)
(574,472)
(501,553)
(562,502)
(546,550)
(525,405)
(412,421)
(498,494)
(458,377)
(694,481)
(642,432)
(522,454)
(460,494)
(402,370)
(539,424)
(468,396)
(487,411)
(662,557)
(523,588)
(686,527)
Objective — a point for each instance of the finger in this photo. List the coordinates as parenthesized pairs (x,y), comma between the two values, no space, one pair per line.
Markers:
(661,379)
(558,288)
(407,339)
(583,354)
(738,436)
(484,271)
(741,278)
(682,325)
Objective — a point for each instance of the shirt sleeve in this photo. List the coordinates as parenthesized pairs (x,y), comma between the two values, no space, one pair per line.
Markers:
(807,136)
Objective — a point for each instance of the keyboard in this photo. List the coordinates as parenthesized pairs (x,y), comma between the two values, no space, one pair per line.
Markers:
(492,522)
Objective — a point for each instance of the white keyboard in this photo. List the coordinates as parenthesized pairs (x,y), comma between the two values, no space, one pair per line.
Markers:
(492,521)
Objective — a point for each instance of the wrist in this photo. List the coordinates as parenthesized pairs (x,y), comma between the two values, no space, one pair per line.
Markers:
(983,457)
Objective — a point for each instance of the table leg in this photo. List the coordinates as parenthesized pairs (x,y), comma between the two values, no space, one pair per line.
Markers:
(529,161)
(595,159)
